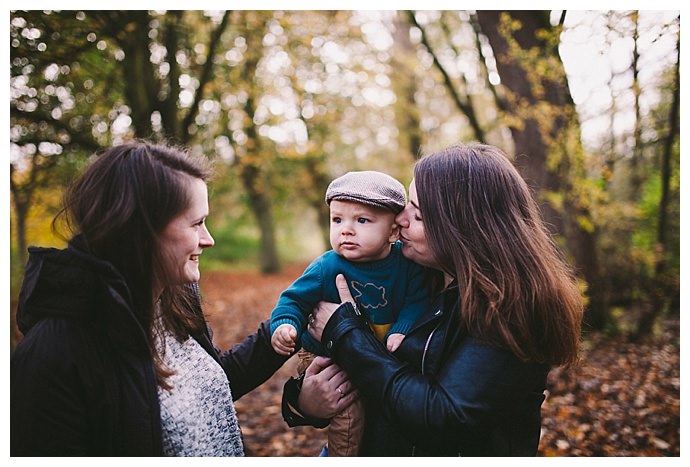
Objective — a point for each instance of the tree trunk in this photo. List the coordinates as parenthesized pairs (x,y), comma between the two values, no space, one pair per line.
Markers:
(547,142)
(660,290)
(314,194)
(259,197)
(635,182)
(21,209)
(261,207)
(250,159)
(405,86)
(141,87)
(22,198)
(172,126)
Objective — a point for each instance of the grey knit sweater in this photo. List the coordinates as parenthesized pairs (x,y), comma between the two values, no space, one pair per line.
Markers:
(197,415)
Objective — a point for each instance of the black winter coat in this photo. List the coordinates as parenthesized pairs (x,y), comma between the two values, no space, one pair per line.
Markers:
(442,393)
(82,381)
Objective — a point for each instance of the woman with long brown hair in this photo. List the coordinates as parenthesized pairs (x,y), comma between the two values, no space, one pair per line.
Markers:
(469,378)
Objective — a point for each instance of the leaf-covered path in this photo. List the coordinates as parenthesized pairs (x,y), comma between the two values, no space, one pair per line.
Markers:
(623,400)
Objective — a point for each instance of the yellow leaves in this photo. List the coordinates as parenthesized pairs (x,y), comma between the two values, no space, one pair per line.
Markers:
(555,199)
(586,223)
(508,23)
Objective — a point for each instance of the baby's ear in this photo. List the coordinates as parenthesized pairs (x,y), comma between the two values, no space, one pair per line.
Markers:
(395,233)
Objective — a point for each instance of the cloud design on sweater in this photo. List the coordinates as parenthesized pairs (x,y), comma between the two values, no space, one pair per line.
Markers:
(369,295)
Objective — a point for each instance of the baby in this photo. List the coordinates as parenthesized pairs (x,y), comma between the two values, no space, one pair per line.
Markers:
(389,290)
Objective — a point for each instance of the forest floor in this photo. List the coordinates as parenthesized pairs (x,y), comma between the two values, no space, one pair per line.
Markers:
(622,400)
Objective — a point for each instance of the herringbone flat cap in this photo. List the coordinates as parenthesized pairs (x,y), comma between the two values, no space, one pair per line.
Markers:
(368,187)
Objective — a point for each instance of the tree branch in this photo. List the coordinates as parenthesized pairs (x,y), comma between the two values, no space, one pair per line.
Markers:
(462,106)
(205,75)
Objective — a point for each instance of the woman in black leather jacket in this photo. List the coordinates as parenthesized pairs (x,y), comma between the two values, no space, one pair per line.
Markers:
(469,378)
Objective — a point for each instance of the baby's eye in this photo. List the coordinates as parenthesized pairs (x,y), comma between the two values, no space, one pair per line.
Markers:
(362,220)
(336,220)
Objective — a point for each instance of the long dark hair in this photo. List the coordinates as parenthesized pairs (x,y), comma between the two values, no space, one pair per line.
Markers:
(118,208)
(485,229)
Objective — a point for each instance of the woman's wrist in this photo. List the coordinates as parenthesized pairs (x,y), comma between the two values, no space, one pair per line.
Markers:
(292,414)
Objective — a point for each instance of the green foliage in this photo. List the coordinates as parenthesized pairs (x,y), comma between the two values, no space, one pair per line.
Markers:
(645,236)
(234,247)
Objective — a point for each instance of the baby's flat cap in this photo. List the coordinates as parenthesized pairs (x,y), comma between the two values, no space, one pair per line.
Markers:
(368,187)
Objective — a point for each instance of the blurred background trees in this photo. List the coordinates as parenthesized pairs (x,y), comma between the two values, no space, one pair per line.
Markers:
(587,104)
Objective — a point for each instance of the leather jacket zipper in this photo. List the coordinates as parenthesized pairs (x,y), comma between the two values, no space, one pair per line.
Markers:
(426,348)
(426,345)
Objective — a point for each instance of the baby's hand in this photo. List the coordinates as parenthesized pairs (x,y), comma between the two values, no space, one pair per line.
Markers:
(394,341)
(283,339)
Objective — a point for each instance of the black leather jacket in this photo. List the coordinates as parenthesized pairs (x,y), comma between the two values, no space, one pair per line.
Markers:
(82,381)
(442,393)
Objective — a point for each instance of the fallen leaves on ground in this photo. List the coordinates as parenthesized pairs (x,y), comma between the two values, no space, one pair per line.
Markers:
(622,400)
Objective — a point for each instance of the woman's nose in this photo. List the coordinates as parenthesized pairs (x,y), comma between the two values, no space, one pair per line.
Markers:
(207,240)
(403,219)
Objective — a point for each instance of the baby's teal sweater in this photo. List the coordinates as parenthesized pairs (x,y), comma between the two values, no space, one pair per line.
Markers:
(391,291)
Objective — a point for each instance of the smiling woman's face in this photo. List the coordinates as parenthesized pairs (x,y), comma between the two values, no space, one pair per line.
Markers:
(184,238)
